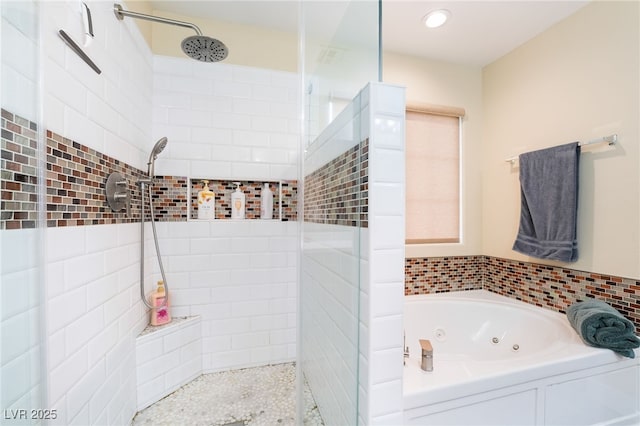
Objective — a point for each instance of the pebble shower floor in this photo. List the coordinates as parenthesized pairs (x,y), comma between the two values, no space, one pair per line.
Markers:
(261,396)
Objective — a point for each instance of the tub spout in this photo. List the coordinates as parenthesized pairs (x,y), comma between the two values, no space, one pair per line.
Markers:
(406,349)
(427,355)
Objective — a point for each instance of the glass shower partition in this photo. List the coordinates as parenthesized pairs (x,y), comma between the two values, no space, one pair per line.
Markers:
(340,54)
(22,218)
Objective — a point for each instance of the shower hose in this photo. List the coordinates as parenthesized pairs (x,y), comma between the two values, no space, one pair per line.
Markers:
(155,239)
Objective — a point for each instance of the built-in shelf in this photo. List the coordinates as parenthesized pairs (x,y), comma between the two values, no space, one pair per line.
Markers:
(284,198)
(175,322)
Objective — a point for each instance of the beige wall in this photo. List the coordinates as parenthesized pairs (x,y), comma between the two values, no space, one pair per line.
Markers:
(248,45)
(578,80)
(451,85)
(140,6)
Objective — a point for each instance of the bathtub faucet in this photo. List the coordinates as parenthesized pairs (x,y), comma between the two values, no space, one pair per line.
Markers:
(406,349)
(427,355)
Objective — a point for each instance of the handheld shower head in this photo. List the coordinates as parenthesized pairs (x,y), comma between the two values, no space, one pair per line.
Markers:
(157,149)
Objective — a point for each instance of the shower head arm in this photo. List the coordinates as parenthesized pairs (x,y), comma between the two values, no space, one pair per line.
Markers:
(121,13)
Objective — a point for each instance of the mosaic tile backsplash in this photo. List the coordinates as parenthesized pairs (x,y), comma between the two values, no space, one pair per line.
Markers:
(557,288)
(19,180)
(442,274)
(337,193)
(548,286)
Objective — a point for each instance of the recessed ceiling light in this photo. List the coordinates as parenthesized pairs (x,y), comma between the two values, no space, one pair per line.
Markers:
(436,18)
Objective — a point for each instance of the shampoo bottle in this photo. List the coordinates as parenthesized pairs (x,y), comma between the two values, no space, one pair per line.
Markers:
(160,314)
(206,202)
(237,203)
(266,202)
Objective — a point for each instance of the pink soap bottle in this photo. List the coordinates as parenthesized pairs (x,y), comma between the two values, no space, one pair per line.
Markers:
(160,314)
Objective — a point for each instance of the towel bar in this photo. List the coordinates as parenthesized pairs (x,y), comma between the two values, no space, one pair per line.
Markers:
(609,140)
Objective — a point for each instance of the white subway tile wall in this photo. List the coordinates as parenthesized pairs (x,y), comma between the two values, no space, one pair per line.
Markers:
(20,60)
(109,112)
(385,257)
(329,305)
(167,358)
(20,270)
(230,122)
(91,277)
(19,319)
(93,317)
(225,121)
(329,293)
(240,278)
(353,276)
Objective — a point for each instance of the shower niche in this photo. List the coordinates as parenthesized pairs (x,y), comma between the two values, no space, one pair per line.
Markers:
(284,198)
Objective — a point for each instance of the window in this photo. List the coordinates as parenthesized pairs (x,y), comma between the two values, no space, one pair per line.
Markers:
(433,175)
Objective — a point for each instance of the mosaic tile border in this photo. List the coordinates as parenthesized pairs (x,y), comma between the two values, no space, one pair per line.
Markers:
(76,176)
(289,191)
(443,274)
(337,193)
(19,178)
(170,198)
(547,286)
(75,184)
(76,179)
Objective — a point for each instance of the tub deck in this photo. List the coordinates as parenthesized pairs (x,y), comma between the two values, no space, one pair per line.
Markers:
(541,386)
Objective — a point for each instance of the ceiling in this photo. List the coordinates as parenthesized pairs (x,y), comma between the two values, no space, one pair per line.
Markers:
(478,33)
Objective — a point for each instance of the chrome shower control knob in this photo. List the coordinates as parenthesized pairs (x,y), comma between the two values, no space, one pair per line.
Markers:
(515,347)
(118,196)
(495,340)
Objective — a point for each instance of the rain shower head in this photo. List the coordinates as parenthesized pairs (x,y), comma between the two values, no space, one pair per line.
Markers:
(157,149)
(199,47)
(205,49)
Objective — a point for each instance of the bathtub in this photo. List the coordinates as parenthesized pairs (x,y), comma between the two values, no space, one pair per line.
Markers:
(499,361)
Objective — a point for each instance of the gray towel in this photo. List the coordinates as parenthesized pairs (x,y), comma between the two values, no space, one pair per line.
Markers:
(602,326)
(549,203)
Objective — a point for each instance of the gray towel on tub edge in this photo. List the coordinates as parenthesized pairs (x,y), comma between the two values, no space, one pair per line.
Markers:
(603,326)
